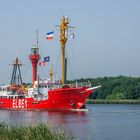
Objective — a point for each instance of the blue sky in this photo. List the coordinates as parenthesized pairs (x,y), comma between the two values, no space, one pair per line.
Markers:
(107,36)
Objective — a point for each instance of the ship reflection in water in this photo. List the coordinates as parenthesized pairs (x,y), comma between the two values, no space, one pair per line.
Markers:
(44,116)
(101,122)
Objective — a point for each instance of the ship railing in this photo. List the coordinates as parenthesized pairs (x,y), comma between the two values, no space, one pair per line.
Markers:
(11,96)
(72,85)
(59,85)
(80,84)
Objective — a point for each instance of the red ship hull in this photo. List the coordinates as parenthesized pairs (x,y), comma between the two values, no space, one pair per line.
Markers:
(48,93)
(62,98)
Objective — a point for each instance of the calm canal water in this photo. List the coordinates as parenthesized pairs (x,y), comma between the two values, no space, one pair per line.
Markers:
(101,122)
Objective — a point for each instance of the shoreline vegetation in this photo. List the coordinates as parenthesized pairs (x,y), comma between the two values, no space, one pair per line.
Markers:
(118,90)
(99,101)
(34,132)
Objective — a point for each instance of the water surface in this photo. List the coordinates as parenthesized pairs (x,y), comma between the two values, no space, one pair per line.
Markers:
(101,122)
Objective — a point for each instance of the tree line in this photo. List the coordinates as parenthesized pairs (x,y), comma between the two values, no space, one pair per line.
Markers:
(115,88)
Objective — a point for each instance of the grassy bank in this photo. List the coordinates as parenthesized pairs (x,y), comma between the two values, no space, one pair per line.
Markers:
(91,101)
(36,132)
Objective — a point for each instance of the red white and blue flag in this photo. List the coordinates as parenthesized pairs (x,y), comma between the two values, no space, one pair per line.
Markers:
(42,63)
(49,35)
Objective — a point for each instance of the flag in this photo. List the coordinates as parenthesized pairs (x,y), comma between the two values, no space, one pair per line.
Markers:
(49,35)
(42,63)
(47,59)
(72,36)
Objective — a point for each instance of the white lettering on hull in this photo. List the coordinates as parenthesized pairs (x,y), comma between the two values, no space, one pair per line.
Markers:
(19,103)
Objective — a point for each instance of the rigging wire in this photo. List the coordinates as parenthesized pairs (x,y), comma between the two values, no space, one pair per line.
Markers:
(27,73)
(72,56)
(69,53)
(57,60)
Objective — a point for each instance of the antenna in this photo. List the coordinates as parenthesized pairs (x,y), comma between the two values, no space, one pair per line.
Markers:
(37,42)
(17,34)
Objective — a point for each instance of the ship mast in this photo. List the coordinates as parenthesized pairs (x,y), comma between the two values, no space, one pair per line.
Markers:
(63,39)
(16,78)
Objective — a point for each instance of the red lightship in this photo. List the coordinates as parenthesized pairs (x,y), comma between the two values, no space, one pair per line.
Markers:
(49,93)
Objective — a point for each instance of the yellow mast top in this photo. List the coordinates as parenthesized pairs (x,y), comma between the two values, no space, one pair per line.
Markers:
(63,39)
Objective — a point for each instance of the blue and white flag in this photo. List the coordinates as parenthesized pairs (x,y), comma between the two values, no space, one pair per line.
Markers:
(47,59)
